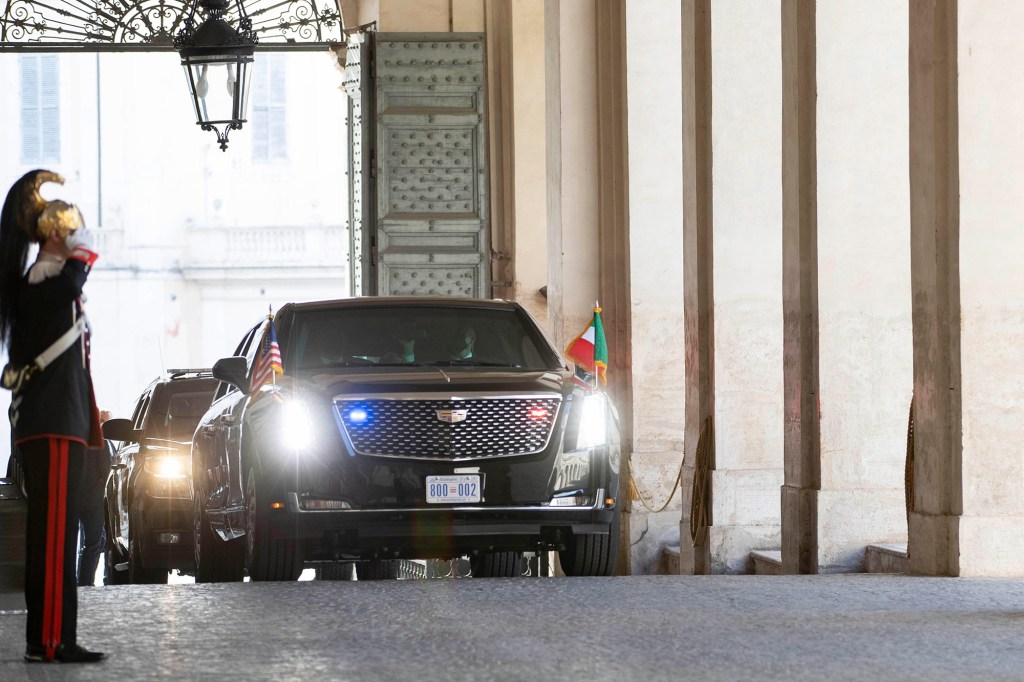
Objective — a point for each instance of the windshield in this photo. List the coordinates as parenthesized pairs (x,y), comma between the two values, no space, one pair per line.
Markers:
(415,336)
(175,415)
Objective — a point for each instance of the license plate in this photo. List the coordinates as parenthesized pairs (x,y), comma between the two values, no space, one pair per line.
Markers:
(453,489)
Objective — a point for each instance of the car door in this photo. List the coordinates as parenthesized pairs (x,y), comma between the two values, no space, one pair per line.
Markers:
(211,445)
(232,433)
(124,465)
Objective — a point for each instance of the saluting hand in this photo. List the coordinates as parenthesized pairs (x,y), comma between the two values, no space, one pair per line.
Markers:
(80,243)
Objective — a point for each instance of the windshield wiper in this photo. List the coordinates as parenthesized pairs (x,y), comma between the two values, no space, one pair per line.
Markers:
(470,362)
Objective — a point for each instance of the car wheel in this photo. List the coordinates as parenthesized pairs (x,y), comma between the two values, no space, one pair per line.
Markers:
(335,570)
(112,557)
(266,559)
(137,573)
(497,564)
(216,561)
(377,569)
(592,555)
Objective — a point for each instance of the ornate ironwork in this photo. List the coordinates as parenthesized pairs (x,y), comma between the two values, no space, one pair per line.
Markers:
(153,24)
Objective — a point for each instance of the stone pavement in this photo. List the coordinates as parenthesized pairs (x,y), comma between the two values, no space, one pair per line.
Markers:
(844,627)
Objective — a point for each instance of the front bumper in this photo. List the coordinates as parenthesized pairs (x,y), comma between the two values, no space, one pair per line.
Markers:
(159,520)
(421,533)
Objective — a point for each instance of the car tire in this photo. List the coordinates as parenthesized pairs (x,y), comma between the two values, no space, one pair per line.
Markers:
(592,555)
(216,561)
(137,573)
(113,556)
(496,564)
(266,559)
(377,569)
(335,570)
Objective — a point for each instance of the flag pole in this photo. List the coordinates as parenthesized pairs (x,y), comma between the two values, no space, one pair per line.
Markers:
(593,321)
(273,374)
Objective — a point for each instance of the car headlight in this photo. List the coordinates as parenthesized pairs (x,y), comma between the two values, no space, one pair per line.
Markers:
(298,425)
(593,429)
(167,466)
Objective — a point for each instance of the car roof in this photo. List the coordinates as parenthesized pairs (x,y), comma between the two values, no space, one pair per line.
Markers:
(404,301)
(172,379)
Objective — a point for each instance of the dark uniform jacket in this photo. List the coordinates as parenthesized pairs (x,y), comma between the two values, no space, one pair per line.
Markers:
(59,400)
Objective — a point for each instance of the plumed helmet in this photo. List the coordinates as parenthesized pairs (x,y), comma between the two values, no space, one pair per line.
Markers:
(36,216)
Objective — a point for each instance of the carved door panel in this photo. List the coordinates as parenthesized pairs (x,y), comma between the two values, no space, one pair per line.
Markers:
(362,201)
(430,163)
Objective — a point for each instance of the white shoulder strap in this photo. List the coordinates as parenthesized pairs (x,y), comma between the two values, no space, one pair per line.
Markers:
(66,340)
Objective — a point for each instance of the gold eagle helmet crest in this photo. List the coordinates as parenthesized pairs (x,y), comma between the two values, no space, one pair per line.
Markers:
(50,216)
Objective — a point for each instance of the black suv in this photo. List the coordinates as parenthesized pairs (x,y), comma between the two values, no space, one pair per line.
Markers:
(148,503)
(402,428)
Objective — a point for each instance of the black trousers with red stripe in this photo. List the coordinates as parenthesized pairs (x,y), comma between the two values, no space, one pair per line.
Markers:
(53,477)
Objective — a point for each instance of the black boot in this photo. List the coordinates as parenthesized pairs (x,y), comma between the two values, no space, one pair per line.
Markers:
(65,654)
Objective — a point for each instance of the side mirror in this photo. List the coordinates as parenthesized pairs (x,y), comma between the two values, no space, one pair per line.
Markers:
(233,370)
(121,429)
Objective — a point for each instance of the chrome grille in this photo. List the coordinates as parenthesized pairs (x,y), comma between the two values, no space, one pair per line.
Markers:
(412,429)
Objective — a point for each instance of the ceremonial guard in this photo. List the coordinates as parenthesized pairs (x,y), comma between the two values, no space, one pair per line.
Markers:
(53,409)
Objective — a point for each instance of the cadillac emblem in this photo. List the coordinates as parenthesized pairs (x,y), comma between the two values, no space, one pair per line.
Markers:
(452,416)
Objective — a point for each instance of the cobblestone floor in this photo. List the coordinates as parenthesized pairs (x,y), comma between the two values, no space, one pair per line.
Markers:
(852,627)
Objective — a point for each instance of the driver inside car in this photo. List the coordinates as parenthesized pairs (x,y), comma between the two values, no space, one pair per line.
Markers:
(403,345)
(462,346)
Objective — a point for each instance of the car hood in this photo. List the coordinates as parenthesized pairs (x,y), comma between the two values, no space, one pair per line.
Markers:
(445,381)
(166,444)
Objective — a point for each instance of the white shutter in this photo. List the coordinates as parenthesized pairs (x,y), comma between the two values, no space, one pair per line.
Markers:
(258,106)
(277,133)
(40,109)
(269,125)
(30,123)
(49,110)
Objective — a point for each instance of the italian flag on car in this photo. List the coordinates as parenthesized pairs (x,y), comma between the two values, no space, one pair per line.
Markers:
(590,350)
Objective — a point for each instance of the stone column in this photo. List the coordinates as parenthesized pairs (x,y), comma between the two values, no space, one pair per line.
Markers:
(613,239)
(698,282)
(501,141)
(530,253)
(968,516)
(935,235)
(653,63)
(802,443)
(990,98)
(574,255)
(588,226)
(747,92)
(847,328)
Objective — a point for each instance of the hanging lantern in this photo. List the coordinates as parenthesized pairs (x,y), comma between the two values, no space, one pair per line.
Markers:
(217,60)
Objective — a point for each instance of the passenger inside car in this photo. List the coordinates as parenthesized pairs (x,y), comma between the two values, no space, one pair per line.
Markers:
(461,347)
(330,346)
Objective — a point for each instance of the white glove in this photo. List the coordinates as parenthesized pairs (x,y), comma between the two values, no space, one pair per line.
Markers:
(80,238)
(80,244)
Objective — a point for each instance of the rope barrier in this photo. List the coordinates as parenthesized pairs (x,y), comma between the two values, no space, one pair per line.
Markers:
(636,495)
(698,501)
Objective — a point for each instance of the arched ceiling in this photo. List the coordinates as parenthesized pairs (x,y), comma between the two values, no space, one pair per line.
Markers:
(123,25)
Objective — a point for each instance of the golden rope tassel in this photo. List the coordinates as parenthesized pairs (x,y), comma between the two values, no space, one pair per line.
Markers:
(699,497)
(908,468)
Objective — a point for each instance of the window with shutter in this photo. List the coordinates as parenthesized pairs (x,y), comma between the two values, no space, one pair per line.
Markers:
(40,109)
(267,115)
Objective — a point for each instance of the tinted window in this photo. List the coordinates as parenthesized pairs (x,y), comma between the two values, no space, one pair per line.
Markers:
(175,413)
(416,335)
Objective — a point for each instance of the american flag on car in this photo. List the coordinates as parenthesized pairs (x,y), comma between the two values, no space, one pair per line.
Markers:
(268,361)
